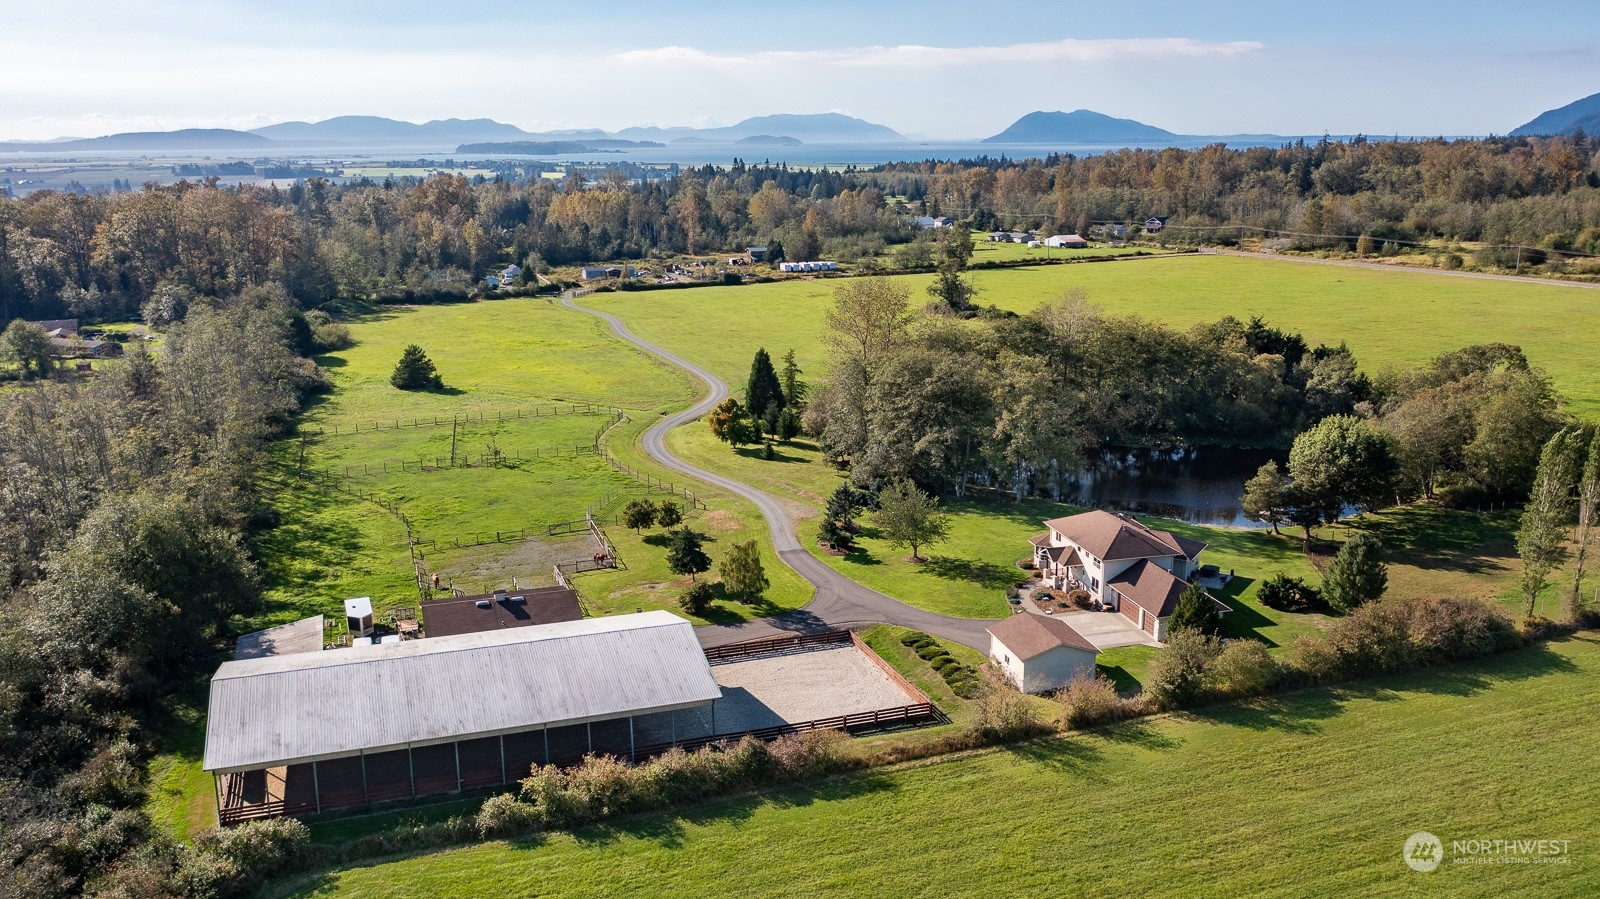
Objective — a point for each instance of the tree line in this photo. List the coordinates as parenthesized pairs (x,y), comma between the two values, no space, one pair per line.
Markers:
(105,256)
(129,508)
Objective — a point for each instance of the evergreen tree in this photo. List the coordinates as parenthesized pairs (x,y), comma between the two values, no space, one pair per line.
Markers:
(685,555)
(1195,612)
(742,574)
(832,534)
(845,503)
(788,425)
(1357,575)
(763,391)
(415,371)
(794,389)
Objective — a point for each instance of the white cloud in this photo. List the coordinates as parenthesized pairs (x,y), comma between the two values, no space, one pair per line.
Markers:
(913,55)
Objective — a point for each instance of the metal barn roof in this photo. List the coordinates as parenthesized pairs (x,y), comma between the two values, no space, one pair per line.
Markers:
(304,635)
(299,708)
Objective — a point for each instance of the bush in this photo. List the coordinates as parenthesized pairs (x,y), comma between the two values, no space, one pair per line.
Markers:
(696,600)
(915,638)
(1243,668)
(1001,713)
(1395,635)
(1089,699)
(1178,673)
(505,815)
(932,651)
(1288,594)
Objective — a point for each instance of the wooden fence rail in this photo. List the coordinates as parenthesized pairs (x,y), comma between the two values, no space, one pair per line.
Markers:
(435,421)
(773,645)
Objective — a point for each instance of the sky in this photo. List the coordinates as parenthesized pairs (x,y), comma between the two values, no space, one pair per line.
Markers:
(931,69)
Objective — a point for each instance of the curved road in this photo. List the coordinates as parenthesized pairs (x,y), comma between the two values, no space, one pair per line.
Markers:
(839,602)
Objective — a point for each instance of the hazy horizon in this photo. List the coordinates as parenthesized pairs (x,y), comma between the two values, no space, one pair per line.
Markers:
(934,70)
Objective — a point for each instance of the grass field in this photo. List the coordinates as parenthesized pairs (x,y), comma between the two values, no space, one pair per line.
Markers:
(1394,317)
(499,359)
(1311,793)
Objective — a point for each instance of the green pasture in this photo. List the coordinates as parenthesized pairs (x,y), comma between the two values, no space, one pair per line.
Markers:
(1388,317)
(494,355)
(1312,793)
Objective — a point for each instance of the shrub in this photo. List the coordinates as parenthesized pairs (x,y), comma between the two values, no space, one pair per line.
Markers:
(696,600)
(915,638)
(1242,668)
(803,756)
(505,815)
(1089,699)
(931,651)
(1395,635)
(1001,713)
(1288,594)
(1178,672)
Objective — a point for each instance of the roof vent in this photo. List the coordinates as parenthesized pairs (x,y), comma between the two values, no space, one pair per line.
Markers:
(482,604)
(519,599)
(499,596)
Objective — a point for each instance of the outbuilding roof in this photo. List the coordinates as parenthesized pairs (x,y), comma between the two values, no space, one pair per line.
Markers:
(494,611)
(304,635)
(299,708)
(1028,635)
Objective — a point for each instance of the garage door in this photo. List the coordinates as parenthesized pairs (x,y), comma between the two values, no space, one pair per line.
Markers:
(1128,609)
(1151,622)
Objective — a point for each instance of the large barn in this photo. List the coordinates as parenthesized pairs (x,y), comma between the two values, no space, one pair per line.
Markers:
(315,731)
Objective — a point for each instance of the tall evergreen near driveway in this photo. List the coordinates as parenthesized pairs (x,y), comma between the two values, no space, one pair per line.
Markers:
(763,394)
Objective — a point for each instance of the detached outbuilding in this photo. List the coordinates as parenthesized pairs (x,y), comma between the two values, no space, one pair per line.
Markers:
(1040,653)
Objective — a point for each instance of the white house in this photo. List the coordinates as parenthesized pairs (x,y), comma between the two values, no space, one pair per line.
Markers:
(510,273)
(1069,241)
(1040,653)
(1124,565)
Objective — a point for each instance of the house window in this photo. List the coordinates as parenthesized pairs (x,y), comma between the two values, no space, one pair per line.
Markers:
(1094,583)
(1008,660)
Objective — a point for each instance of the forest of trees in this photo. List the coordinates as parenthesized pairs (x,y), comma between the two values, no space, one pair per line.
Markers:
(104,256)
(1022,402)
(128,507)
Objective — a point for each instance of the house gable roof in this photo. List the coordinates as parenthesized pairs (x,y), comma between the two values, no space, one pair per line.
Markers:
(1028,635)
(1111,537)
(1150,587)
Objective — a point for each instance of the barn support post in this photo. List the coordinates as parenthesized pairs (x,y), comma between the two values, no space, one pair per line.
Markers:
(316,788)
(672,717)
(713,718)
(366,796)
(547,744)
(216,792)
(632,757)
(411,767)
(588,729)
(503,760)
(457,747)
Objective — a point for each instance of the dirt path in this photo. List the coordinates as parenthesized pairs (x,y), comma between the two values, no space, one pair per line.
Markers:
(838,602)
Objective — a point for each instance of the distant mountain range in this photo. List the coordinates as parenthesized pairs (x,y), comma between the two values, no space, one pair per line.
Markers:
(372,131)
(1580,114)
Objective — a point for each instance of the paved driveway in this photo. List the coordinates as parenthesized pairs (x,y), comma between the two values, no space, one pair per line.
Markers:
(1106,630)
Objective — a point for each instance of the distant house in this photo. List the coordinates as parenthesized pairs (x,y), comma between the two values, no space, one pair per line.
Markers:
(1038,653)
(1020,236)
(756,254)
(69,325)
(1155,223)
(1069,241)
(1124,565)
(933,221)
(510,273)
(999,237)
(595,273)
(492,281)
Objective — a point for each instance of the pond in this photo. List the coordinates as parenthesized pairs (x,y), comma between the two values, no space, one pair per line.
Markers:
(1200,486)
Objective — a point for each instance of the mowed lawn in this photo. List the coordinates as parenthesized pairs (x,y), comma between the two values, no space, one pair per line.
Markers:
(1311,793)
(1398,317)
